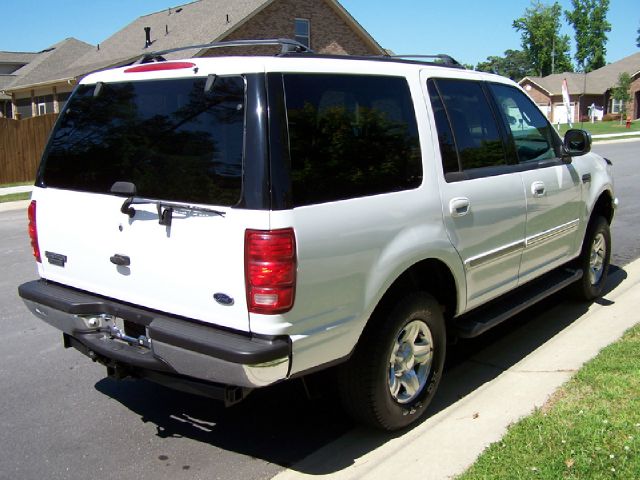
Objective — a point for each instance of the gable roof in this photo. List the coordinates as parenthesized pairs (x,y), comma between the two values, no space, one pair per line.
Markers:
(596,82)
(5,81)
(49,63)
(17,57)
(197,22)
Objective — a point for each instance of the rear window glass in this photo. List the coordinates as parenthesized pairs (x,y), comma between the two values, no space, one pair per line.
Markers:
(170,138)
(350,136)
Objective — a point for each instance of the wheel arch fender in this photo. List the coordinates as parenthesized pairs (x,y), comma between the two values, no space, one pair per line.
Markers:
(440,273)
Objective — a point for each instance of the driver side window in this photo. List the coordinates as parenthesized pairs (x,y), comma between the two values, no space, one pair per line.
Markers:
(531,132)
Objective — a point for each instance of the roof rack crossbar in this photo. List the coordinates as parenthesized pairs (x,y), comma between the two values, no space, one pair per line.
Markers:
(288,46)
(439,58)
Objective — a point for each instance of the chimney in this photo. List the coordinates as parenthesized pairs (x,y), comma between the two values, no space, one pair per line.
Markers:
(147,33)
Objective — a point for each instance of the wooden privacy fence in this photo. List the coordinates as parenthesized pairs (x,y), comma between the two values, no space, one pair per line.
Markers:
(21,145)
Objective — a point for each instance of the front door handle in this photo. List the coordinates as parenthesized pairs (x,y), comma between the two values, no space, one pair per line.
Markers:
(459,207)
(538,189)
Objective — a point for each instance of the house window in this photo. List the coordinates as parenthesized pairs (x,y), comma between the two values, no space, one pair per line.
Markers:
(42,108)
(616,106)
(303,31)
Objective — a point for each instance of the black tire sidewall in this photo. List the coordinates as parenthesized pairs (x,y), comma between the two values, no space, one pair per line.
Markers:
(391,414)
(587,290)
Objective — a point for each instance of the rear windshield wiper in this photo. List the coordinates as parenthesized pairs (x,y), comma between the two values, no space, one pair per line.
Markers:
(166,209)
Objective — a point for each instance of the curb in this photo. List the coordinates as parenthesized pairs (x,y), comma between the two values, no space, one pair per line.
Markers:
(446,444)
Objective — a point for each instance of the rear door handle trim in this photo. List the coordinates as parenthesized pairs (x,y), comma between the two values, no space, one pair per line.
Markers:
(538,189)
(459,207)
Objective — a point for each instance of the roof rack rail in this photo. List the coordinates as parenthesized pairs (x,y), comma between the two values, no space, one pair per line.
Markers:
(288,46)
(439,58)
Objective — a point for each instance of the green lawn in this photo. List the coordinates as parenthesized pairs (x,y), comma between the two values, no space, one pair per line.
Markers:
(14,197)
(18,184)
(590,429)
(603,128)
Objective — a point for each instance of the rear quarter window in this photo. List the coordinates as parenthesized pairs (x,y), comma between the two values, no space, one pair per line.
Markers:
(350,136)
(170,138)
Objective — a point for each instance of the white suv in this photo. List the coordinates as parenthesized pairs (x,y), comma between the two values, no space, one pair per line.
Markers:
(222,224)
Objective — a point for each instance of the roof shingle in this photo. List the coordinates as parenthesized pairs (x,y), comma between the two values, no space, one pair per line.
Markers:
(597,81)
(49,63)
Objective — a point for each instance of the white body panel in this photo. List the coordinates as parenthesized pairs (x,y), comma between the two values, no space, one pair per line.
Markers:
(554,195)
(173,269)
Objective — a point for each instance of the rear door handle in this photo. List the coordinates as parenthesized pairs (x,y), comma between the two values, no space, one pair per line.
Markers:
(459,207)
(538,189)
(120,260)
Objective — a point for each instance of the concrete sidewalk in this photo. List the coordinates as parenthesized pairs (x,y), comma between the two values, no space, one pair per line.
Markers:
(615,135)
(19,205)
(18,189)
(502,385)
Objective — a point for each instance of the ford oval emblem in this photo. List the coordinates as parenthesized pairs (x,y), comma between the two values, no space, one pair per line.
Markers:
(223,299)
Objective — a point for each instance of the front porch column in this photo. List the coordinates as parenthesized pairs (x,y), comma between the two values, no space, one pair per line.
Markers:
(14,107)
(34,107)
(56,104)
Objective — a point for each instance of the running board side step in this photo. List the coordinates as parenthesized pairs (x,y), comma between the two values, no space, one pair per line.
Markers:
(477,322)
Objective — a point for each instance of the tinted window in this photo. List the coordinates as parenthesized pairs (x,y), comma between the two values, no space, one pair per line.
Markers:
(532,134)
(350,136)
(475,131)
(445,135)
(168,137)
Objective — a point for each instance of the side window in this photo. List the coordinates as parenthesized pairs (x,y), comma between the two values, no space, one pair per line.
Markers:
(350,136)
(532,134)
(445,135)
(475,130)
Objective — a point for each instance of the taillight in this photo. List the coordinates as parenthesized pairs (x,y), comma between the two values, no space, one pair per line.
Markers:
(270,269)
(33,231)
(155,67)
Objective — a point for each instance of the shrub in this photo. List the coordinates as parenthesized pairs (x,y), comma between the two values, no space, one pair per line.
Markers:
(609,117)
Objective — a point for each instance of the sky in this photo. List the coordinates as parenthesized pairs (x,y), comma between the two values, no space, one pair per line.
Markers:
(468,30)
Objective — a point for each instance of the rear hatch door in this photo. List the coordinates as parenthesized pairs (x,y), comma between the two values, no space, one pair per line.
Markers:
(135,196)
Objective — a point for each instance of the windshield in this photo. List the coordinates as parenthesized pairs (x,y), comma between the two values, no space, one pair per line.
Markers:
(170,138)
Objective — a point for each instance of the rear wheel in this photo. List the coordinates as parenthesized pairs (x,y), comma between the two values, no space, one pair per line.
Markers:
(397,365)
(594,260)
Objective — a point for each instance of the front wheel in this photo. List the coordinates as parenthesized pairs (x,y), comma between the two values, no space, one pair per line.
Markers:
(594,260)
(397,365)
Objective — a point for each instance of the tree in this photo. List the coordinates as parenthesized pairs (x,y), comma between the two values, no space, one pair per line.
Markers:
(589,20)
(621,92)
(638,39)
(513,64)
(547,51)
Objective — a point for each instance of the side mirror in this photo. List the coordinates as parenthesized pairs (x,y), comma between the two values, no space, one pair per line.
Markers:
(576,142)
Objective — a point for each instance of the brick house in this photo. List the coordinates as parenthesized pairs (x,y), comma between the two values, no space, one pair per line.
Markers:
(323,25)
(585,90)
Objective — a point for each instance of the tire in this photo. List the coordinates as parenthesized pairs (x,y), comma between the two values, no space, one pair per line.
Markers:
(385,384)
(594,260)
